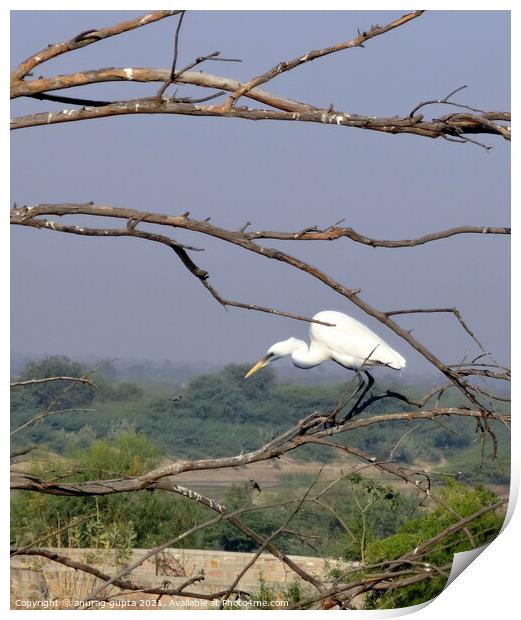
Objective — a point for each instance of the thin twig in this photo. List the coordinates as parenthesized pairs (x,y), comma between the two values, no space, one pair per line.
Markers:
(282,67)
(167,83)
(445,100)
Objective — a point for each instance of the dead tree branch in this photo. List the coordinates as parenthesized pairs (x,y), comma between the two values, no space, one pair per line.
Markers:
(82,40)
(446,100)
(289,440)
(28,215)
(454,311)
(454,127)
(332,233)
(282,67)
(83,380)
(119,583)
(174,60)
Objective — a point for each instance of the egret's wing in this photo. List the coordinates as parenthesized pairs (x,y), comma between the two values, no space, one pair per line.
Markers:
(351,342)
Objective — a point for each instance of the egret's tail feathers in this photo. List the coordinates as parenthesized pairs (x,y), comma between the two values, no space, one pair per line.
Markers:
(396,361)
(389,358)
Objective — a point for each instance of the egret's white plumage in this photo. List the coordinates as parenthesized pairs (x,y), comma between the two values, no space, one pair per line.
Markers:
(349,343)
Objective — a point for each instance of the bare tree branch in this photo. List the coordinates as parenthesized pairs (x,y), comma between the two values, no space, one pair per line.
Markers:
(171,78)
(83,39)
(445,100)
(359,41)
(178,248)
(83,380)
(289,440)
(456,125)
(199,78)
(119,583)
(332,233)
(454,311)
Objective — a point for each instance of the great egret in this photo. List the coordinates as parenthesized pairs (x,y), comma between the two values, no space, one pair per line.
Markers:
(349,343)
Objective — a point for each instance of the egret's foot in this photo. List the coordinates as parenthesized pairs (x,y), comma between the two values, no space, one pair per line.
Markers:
(349,416)
(331,422)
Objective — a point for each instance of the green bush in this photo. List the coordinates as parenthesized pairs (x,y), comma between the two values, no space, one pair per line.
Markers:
(465,501)
(138,519)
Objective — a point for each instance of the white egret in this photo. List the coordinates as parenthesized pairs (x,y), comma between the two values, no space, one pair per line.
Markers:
(349,343)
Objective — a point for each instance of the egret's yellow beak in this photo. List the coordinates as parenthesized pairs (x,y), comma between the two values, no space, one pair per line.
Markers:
(260,364)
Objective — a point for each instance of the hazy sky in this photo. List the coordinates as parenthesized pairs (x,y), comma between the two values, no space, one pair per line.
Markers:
(131,298)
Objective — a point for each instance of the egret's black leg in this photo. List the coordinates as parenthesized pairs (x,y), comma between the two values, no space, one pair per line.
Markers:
(366,383)
(370,380)
(366,388)
(361,382)
(358,394)
(331,421)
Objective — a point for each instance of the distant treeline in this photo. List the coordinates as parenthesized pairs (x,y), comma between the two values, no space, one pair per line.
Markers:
(220,414)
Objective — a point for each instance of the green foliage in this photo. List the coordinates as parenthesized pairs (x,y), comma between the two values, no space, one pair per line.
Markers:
(367,511)
(268,596)
(227,537)
(382,523)
(219,414)
(120,392)
(468,465)
(30,400)
(125,454)
(358,519)
(116,521)
(295,592)
(265,593)
(465,501)
(65,393)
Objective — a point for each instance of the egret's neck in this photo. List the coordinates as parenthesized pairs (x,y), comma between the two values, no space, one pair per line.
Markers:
(307,357)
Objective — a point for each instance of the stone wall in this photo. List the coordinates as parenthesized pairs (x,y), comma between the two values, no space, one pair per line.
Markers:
(40,583)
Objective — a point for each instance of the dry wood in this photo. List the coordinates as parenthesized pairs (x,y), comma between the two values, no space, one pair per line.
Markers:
(453,127)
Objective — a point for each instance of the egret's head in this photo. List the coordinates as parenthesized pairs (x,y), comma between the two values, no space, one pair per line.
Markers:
(275,352)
